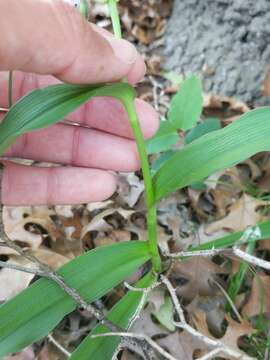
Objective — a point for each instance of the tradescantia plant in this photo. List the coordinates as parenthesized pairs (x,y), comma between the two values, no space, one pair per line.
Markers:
(33,313)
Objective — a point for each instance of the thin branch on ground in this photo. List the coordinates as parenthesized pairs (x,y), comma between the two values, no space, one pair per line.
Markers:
(226,295)
(210,355)
(46,272)
(58,345)
(12,266)
(145,290)
(216,344)
(43,270)
(234,251)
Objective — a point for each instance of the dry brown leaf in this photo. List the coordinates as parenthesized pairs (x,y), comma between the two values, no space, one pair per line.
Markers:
(213,306)
(112,237)
(226,190)
(146,325)
(64,210)
(202,202)
(49,352)
(242,213)
(219,102)
(99,205)
(182,346)
(12,281)
(264,244)
(254,169)
(128,356)
(130,189)
(234,330)
(259,298)
(15,219)
(154,65)
(170,216)
(52,259)
(145,20)
(99,224)
(264,162)
(198,272)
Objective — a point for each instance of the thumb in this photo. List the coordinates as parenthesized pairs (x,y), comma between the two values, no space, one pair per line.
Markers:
(51,37)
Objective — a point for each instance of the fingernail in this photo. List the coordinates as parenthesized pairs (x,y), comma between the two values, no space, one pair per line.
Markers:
(123,50)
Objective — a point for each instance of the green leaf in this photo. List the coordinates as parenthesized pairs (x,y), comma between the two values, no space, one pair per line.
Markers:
(165,314)
(232,239)
(173,77)
(43,107)
(186,105)
(203,128)
(215,151)
(37,310)
(122,315)
(84,8)
(237,279)
(163,140)
(157,164)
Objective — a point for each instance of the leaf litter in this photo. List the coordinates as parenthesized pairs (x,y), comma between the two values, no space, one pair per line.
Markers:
(228,201)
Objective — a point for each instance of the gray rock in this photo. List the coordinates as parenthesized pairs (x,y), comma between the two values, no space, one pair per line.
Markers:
(226,41)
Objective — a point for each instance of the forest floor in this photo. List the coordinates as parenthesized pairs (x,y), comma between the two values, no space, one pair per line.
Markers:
(223,298)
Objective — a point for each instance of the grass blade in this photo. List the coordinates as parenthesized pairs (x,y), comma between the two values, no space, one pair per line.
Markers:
(208,125)
(215,151)
(43,107)
(37,310)
(232,239)
(121,314)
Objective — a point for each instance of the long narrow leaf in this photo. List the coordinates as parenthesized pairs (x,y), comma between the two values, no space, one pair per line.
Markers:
(122,313)
(37,310)
(215,151)
(43,107)
(232,239)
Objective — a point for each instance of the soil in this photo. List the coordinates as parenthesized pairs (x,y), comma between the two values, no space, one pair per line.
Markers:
(226,41)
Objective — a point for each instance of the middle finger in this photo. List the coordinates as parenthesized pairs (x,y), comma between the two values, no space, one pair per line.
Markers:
(77,146)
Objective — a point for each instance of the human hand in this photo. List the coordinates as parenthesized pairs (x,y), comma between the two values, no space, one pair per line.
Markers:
(47,41)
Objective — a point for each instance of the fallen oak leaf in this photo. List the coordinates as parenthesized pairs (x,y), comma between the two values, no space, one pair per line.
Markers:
(99,224)
(233,333)
(183,346)
(242,214)
(16,219)
(13,281)
(197,274)
(259,298)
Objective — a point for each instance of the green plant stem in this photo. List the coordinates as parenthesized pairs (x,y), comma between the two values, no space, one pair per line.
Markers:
(10,88)
(84,8)
(149,190)
(115,19)
(148,184)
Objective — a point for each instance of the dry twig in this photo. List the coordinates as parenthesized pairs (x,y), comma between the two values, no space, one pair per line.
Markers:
(58,346)
(43,270)
(218,346)
(145,338)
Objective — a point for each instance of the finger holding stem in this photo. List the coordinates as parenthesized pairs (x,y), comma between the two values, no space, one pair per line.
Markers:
(149,189)
(115,18)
